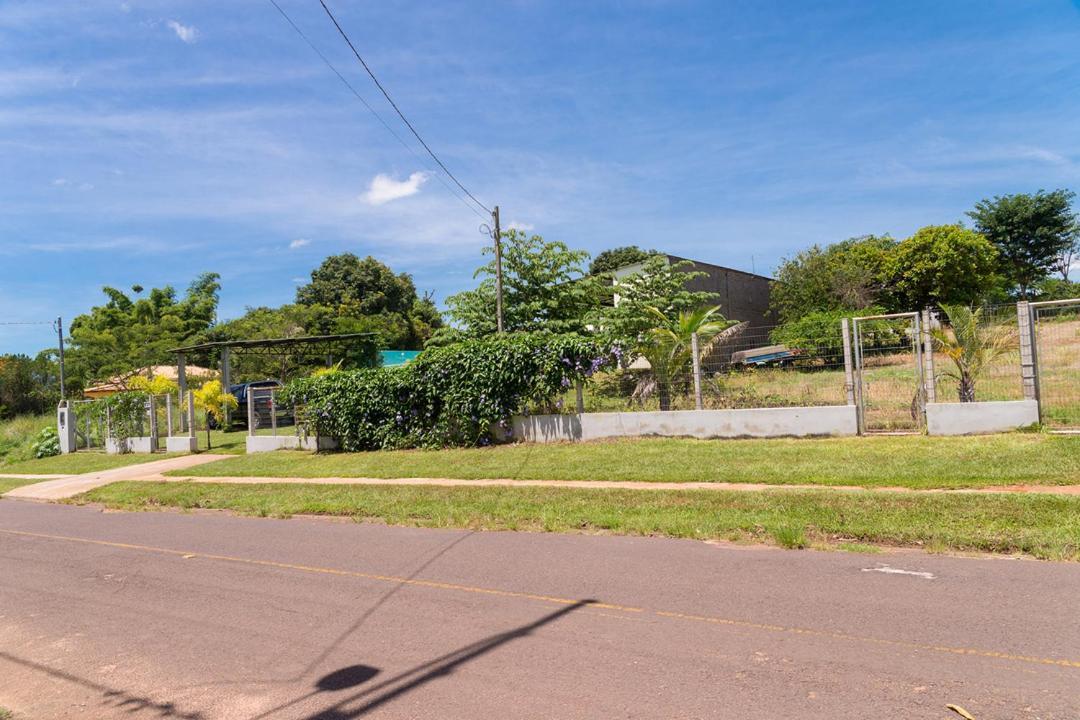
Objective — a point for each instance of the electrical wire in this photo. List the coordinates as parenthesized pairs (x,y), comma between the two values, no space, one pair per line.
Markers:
(44,322)
(398,110)
(372,110)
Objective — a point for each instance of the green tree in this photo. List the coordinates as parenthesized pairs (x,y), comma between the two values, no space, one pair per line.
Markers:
(367,296)
(971,344)
(668,345)
(28,385)
(124,334)
(544,288)
(1031,233)
(660,285)
(213,399)
(615,258)
(942,264)
(848,275)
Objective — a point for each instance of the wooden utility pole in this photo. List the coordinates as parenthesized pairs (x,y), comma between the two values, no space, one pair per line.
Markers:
(498,271)
(60,335)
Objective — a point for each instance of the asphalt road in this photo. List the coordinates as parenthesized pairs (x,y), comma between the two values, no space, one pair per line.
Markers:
(151,615)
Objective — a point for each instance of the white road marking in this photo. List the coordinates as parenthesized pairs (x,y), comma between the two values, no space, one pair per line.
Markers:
(897,571)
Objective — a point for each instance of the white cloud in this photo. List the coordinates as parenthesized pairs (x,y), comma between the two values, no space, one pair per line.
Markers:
(384,188)
(187,33)
(521,227)
(299,243)
(60,182)
(1044,155)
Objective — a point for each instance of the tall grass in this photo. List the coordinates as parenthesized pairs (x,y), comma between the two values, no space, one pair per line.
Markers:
(18,434)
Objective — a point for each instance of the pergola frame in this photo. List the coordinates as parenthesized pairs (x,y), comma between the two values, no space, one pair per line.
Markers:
(304,347)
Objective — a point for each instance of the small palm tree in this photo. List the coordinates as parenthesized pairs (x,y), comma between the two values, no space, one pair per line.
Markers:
(668,345)
(971,344)
(214,400)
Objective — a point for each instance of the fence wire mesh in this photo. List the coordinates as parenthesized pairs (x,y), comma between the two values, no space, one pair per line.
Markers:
(750,369)
(888,372)
(1057,333)
(995,378)
(268,413)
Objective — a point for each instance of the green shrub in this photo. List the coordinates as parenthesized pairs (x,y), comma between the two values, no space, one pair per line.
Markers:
(47,443)
(449,395)
(818,334)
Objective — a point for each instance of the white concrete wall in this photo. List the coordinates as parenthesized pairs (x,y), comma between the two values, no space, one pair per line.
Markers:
(269,443)
(144,444)
(757,422)
(181,444)
(980,417)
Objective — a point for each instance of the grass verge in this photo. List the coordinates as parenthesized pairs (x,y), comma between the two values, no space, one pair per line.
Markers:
(913,461)
(1043,526)
(78,462)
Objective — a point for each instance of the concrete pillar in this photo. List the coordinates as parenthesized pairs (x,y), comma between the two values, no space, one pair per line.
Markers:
(929,384)
(181,381)
(849,366)
(151,406)
(191,414)
(65,427)
(579,397)
(251,410)
(1029,365)
(696,351)
(226,382)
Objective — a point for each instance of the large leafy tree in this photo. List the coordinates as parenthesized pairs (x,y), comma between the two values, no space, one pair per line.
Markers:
(544,288)
(127,333)
(848,275)
(28,385)
(610,260)
(942,264)
(1032,232)
(364,295)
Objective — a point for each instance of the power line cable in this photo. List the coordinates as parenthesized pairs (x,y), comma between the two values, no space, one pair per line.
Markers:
(398,110)
(372,110)
(44,322)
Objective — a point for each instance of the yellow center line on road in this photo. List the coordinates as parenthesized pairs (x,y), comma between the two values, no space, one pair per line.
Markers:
(187,554)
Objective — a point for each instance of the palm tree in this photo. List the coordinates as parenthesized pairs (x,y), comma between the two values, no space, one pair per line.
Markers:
(971,344)
(668,345)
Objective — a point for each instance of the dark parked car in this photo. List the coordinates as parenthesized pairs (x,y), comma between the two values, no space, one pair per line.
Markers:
(260,390)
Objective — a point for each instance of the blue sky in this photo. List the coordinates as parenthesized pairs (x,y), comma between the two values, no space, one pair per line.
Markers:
(145,142)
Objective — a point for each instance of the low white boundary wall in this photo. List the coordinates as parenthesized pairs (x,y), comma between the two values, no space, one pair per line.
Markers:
(980,417)
(143,444)
(269,443)
(757,422)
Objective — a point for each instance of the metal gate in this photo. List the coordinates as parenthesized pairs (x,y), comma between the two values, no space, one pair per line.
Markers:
(1057,359)
(889,395)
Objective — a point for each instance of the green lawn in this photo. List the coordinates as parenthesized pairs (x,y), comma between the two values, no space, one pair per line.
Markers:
(10,484)
(77,463)
(910,461)
(1039,525)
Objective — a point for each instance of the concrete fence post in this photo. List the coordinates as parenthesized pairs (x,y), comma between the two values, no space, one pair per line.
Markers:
(191,413)
(579,397)
(694,348)
(929,378)
(168,415)
(849,366)
(251,410)
(273,414)
(151,407)
(1029,365)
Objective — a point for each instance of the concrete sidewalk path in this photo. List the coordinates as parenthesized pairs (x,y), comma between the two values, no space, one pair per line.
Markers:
(64,487)
(601,484)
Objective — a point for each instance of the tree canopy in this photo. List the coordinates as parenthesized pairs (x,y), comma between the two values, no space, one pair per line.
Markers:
(545,288)
(126,334)
(1032,233)
(615,258)
(848,275)
(942,264)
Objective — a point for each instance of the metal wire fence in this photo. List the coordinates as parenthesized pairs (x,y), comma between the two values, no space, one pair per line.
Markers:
(997,379)
(749,370)
(1057,333)
(268,413)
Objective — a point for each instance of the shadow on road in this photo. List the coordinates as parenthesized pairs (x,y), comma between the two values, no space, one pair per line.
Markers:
(363,702)
(112,697)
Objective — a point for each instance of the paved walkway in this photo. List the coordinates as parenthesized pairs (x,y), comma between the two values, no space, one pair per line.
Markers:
(60,488)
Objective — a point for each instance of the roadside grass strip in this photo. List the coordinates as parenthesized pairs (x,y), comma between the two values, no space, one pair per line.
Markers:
(1042,526)
(914,462)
